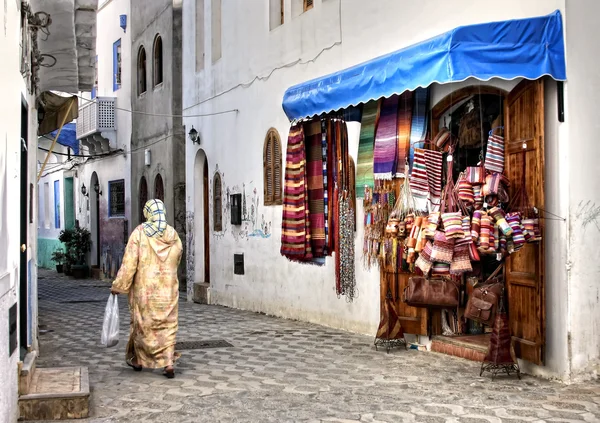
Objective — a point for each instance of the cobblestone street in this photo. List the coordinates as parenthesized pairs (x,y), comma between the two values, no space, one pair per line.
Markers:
(283,371)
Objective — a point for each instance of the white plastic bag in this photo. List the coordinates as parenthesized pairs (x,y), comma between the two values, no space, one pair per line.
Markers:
(110,328)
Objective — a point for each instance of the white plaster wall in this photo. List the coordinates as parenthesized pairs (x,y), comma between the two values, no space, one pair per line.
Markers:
(584,196)
(234,141)
(53,172)
(13,90)
(117,167)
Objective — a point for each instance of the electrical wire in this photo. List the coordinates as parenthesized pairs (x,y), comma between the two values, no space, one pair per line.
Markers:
(137,112)
(288,65)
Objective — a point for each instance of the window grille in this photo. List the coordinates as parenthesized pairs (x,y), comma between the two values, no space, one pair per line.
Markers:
(116,199)
(218,203)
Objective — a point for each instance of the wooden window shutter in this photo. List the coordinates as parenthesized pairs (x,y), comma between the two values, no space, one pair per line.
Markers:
(272,169)
(524,127)
(308,4)
(218,204)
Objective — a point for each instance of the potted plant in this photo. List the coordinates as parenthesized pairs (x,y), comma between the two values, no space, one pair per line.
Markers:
(66,237)
(78,242)
(59,257)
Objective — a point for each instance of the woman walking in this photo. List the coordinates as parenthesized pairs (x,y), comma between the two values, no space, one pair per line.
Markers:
(149,275)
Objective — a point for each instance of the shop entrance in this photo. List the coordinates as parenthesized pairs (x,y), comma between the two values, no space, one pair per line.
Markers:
(518,116)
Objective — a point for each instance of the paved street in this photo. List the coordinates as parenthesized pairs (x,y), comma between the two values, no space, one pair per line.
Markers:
(284,371)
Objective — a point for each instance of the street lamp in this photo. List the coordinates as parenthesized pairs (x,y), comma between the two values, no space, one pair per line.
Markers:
(193,134)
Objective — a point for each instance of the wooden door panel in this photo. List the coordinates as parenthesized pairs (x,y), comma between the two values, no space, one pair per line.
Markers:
(524,138)
(413,319)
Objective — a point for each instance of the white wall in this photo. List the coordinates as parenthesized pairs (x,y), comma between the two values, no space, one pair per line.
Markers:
(233,142)
(13,90)
(116,167)
(53,172)
(581,166)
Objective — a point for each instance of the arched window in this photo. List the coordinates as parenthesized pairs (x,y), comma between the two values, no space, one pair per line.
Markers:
(141,71)
(143,196)
(218,205)
(272,168)
(158,61)
(159,188)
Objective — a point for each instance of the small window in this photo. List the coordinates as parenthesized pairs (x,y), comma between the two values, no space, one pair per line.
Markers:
(308,4)
(275,13)
(116,198)
(159,188)
(141,71)
(117,65)
(216,30)
(218,206)
(272,168)
(143,198)
(158,61)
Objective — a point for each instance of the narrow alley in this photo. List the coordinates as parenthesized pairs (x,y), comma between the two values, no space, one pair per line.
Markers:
(279,370)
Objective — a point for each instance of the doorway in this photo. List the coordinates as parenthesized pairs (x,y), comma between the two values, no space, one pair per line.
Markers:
(24,305)
(201,219)
(95,220)
(143,199)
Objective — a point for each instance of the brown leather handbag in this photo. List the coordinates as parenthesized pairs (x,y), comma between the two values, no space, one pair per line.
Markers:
(434,292)
(483,301)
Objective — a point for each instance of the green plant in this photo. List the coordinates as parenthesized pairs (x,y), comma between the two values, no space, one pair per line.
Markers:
(78,242)
(58,256)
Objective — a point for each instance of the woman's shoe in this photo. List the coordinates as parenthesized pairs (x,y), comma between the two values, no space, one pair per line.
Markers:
(130,364)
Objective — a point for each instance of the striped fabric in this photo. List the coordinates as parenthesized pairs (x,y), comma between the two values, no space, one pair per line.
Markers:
(405,106)
(364,167)
(314,177)
(419,184)
(419,122)
(325,193)
(295,227)
(156,218)
(426,179)
(494,156)
(331,171)
(385,151)
(433,161)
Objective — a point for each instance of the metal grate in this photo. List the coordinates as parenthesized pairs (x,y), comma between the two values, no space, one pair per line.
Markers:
(96,116)
(116,200)
(201,345)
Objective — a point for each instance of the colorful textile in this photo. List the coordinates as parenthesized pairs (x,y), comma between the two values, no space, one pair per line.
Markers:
(315,187)
(405,106)
(389,323)
(385,151)
(424,260)
(327,249)
(426,179)
(419,122)
(295,226)
(461,262)
(432,223)
(499,216)
(478,197)
(453,225)
(443,248)
(347,277)
(156,218)
(475,175)
(465,192)
(492,183)
(331,180)
(364,167)
(440,269)
(514,220)
(149,275)
(476,225)
(494,156)
(466,228)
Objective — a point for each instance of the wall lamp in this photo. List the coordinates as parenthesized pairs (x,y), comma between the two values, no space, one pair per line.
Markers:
(193,134)
(97,188)
(84,191)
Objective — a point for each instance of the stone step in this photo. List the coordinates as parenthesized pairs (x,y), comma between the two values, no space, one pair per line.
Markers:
(470,347)
(57,393)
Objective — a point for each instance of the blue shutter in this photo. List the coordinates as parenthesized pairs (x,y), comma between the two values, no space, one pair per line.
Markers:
(57,204)
(116,70)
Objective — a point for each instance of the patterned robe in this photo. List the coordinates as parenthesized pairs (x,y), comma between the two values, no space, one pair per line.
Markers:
(149,275)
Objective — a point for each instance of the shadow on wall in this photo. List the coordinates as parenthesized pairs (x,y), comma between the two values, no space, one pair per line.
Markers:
(253,224)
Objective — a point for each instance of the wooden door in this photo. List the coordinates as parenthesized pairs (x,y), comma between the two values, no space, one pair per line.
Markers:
(412,319)
(206,224)
(524,130)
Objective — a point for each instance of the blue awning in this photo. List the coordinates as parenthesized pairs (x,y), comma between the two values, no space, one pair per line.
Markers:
(68,137)
(520,48)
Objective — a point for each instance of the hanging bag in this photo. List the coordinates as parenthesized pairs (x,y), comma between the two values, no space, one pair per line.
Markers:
(110,327)
(434,292)
(483,301)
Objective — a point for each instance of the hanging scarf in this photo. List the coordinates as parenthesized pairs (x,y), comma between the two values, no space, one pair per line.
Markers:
(156,218)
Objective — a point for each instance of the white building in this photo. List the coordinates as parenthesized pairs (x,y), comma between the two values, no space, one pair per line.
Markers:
(104,129)
(23,84)
(240,58)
